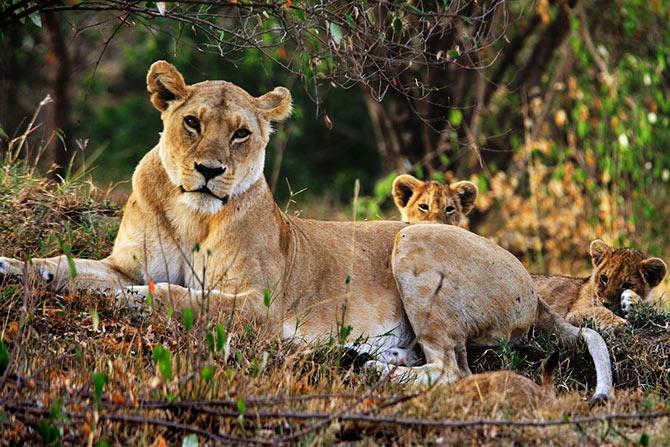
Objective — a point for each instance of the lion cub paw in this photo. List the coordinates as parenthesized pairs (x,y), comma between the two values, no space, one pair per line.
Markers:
(628,298)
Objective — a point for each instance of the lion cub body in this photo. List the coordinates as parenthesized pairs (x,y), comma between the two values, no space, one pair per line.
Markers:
(620,278)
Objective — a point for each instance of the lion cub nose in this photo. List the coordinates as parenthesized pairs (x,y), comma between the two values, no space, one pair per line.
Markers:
(209,173)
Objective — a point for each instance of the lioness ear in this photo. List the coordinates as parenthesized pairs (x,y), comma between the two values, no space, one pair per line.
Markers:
(275,105)
(403,188)
(598,251)
(165,84)
(654,270)
(467,193)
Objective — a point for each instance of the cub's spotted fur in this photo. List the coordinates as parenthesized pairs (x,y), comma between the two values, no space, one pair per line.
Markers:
(620,277)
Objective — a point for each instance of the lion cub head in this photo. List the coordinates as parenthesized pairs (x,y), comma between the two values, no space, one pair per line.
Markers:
(214,134)
(620,269)
(431,201)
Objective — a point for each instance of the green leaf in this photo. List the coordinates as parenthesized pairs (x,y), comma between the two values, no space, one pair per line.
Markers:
(220,336)
(187,318)
(210,341)
(397,24)
(455,117)
(267,297)
(644,439)
(36,19)
(335,32)
(99,382)
(241,407)
(207,373)
(4,357)
(161,356)
(453,54)
(150,300)
(190,441)
(344,333)
(3,134)
(70,260)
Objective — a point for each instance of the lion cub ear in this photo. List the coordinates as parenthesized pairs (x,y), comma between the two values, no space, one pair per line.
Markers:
(467,193)
(165,84)
(275,105)
(403,189)
(654,270)
(598,250)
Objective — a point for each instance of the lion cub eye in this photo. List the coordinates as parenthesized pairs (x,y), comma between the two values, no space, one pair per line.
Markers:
(450,209)
(192,122)
(241,134)
(423,207)
(626,286)
(603,280)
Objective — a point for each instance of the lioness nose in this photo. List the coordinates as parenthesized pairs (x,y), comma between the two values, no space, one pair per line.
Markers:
(208,172)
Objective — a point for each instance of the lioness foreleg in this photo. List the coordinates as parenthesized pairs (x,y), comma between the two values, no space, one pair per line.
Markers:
(59,274)
(179,298)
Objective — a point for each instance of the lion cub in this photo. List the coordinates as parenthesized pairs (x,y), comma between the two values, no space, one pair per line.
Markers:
(431,201)
(620,277)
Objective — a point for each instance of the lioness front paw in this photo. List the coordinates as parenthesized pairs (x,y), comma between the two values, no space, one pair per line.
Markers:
(628,298)
(137,299)
(10,266)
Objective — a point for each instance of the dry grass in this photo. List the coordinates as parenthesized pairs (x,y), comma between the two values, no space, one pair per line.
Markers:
(257,388)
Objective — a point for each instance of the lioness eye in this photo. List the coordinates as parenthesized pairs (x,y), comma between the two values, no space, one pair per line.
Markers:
(626,286)
(450,209)
(241,133)
(423,207)
(603,280)
(192,122)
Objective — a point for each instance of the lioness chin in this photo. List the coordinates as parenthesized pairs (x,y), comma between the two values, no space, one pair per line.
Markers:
(202,185)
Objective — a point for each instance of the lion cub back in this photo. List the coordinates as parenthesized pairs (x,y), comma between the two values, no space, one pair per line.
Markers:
(433,202)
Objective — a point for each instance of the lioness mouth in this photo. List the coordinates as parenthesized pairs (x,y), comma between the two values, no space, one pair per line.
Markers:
(206,190)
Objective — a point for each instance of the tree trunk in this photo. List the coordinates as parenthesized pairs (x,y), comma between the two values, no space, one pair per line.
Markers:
(59,66)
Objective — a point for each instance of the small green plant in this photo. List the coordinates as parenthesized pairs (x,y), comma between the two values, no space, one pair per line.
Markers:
(162,358)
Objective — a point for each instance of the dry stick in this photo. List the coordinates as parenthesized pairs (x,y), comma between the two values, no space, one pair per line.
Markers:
(140,420)
(448,423)
(332,417)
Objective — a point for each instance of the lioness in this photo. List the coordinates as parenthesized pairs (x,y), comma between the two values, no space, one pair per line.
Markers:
(202,187)
(620,277)
(432,201)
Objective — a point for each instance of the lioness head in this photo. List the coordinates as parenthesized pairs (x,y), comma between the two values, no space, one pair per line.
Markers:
(431,201)
(616,270)
(214,134)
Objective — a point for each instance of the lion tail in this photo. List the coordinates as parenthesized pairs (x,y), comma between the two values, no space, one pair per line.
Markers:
(550,321)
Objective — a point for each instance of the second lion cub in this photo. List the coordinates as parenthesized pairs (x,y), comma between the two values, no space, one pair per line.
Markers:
(620,277)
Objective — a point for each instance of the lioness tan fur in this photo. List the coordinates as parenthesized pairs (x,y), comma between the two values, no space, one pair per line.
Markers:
(432,201)
(620,277)
(202,225)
